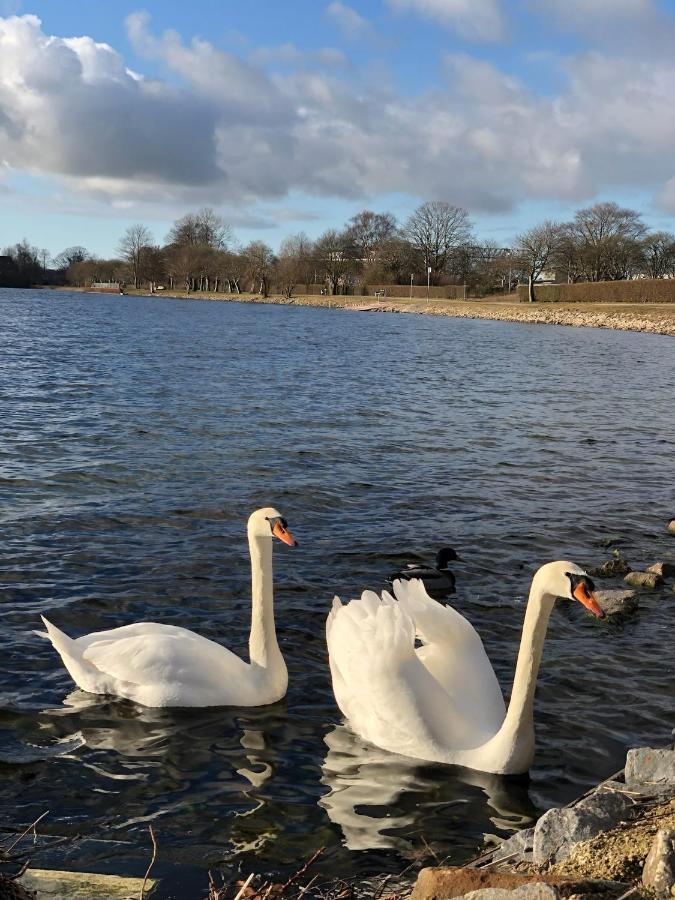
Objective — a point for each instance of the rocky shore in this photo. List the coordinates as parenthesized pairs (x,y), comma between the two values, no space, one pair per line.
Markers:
(656,318)
(616,841)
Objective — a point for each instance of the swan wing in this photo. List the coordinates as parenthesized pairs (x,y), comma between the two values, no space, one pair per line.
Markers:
(165,665)
(454,654)
(383,688)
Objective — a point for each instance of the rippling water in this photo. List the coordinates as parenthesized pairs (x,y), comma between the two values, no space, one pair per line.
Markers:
(138,434)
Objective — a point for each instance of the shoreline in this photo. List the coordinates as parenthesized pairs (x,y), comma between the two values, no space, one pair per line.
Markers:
(651,318)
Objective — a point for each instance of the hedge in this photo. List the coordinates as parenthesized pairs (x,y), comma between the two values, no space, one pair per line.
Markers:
(642,290)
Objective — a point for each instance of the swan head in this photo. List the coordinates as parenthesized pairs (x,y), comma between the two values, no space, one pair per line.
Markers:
(267,523)
(565,579)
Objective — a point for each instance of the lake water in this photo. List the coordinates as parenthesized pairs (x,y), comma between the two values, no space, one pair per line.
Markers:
(137,436)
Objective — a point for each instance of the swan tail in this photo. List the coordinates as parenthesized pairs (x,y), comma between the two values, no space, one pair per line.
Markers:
(84,674)
(335,609)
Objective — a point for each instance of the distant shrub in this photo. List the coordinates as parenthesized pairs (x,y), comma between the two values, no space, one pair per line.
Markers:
(642,290)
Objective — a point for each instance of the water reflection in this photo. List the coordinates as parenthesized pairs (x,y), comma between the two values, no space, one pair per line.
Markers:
(382,800)
(132,731)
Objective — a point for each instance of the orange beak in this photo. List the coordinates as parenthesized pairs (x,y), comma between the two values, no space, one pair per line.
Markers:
(583,595)
(284,535)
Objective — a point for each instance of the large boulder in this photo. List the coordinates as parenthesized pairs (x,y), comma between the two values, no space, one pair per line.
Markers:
(558,830)
(658,873)
(643,579)
(646,765)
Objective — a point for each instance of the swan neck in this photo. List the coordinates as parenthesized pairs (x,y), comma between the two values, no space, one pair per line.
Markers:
(263,646)
(518,728)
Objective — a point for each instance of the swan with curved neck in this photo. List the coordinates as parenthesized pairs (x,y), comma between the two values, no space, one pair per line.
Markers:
(441,701)
(165,665)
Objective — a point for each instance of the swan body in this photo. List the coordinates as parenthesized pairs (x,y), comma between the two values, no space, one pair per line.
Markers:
(439,581)
(441,702)
(164,665)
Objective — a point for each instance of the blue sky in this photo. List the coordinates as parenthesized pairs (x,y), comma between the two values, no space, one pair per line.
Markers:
(294,116)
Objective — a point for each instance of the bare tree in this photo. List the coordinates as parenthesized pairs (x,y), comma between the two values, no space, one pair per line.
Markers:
(295,256)
(536,249)
(133,243)
(205,227)
(153,266)
(334,260)
(260,260)
(606,235)
(71,255)
(658,254)
(435,229)
(367,230)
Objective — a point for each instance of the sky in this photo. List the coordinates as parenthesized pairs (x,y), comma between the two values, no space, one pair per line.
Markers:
(294,116)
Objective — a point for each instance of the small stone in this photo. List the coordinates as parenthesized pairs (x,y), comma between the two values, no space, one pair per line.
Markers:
(558,830)
(83,885)
(664,569)
(521,843)
(671,526)
(643,579)
(658,873)
(644,764)
(535,891)
(613,568)
(617,603)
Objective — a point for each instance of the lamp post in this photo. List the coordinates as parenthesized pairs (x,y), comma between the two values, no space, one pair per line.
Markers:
(411,281)
(428,280)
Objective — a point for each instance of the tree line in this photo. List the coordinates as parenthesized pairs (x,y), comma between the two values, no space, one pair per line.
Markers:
(435,245)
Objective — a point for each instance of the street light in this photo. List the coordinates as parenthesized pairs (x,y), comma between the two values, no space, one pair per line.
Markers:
(428,279)
(411,281)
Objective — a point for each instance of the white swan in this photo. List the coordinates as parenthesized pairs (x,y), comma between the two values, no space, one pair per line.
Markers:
(163,665)
(442,702)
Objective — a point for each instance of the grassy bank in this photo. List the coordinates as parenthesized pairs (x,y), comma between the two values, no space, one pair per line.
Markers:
(657,318)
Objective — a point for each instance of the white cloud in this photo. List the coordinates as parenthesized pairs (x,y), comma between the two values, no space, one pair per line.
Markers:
(290,55)
(475,20)
(223,130)
(347,19)
(635,27)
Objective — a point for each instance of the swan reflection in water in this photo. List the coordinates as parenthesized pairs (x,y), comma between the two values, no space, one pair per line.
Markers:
(184,765)
(382,800)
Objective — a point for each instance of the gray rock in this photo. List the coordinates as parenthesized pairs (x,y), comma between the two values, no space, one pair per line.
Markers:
(617,603)
(558,830)
(664,569)
(614,567)
(643,579)
(520,843)
(658,873)
(646,765)
(535,891)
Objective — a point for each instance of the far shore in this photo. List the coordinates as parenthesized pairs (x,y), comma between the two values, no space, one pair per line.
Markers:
(656,318)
